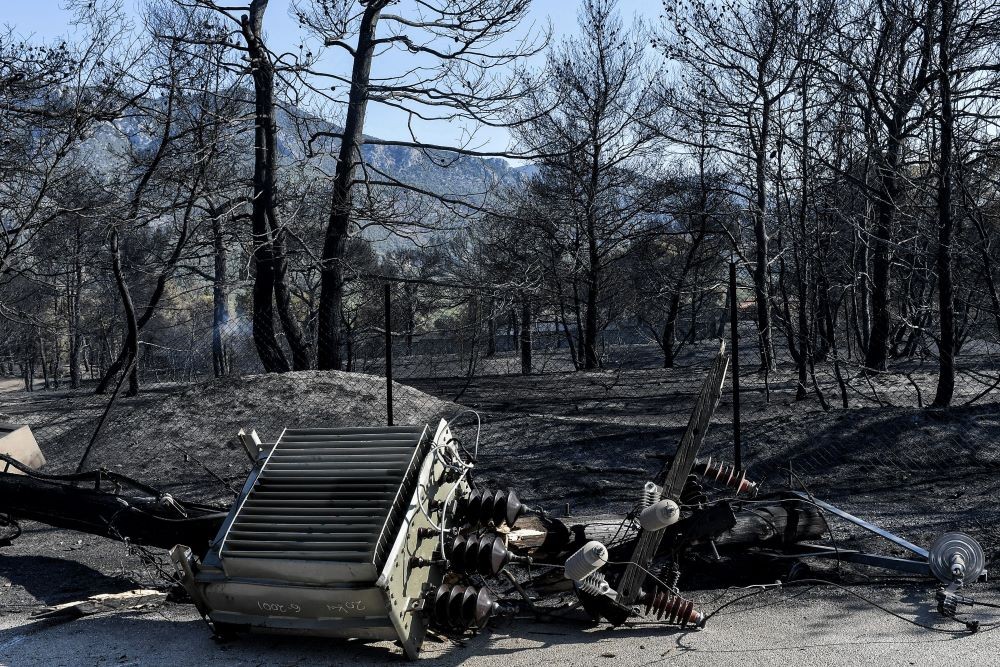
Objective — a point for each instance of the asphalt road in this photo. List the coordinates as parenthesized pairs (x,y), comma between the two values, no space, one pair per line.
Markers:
(787,627)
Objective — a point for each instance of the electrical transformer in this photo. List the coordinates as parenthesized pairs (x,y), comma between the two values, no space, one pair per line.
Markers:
(341,532)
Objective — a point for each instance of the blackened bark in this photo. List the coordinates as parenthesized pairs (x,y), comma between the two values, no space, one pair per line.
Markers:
(669,338)
(946,296)
(131,346)
(591,359)
(272,357)
(28,367)
(297,342)
(525,333)
(128,356)
(592,286)
(491,331)
(45,363)
(73,305)
(760,277)
(220,298)
(339,224)
(878,341)
(889,185)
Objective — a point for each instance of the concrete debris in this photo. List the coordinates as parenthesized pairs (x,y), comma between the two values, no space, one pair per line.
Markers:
(95,604)
(17,441)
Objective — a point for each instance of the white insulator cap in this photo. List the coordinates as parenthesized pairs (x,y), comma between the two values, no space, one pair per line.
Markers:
(957,562)
(588,559)
(659,515)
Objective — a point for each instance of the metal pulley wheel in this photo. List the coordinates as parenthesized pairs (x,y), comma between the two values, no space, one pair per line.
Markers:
(956,557)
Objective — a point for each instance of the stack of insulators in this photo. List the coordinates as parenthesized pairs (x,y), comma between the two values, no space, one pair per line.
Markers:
(594,583)
(479,554)
(727,475)
(693,492)
(650,494)
(483,508)
(672,608)
(456,607)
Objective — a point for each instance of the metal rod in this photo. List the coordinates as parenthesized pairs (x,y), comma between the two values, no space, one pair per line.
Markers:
(908,565)
(388,353)
(881,532)
(735,355)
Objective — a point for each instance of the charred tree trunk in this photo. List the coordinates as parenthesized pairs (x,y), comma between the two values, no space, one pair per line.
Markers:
(130,349)
(946,296)
(761,239)
(588,347)
(28,368)
(45,363)
(888,169)
(339,224)
(73,306)
(669,338)
(266,275)
(154,300)
(220,297)
(591,359)
(878,342)
(491,331)
(803,277)
(525,334)
(56,361)
(796,344)
(301,353)
(560,297)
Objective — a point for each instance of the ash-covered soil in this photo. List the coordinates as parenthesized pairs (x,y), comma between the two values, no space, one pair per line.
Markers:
(591,439)
(173,436)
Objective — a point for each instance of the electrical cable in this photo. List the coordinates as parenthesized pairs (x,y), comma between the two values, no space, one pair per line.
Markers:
(479,430)
(972,626)
(432,456)
(762,588)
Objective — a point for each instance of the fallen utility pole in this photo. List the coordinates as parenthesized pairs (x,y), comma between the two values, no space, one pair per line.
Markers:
(112,506)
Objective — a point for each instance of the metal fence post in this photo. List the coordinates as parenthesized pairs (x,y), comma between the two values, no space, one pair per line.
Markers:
(735,347)
(388,353)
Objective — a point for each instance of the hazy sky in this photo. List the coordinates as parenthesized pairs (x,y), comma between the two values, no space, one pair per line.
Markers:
(46,19)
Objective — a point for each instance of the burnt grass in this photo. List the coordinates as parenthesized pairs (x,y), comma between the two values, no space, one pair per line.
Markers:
(562,438)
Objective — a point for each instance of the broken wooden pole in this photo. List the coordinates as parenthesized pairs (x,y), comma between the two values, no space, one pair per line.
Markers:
(148,521)
(779,523)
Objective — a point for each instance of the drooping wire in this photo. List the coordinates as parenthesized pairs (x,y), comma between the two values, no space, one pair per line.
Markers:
(972,626)
(479,429)
(757,590)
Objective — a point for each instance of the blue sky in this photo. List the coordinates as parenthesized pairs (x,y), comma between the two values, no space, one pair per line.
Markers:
(47,19)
